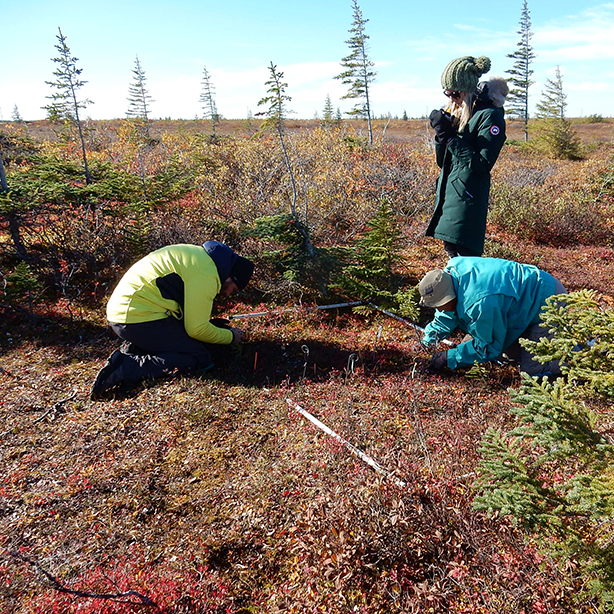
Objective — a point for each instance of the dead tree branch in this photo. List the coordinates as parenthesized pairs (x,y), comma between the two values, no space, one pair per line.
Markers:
(56,407)
(58,586)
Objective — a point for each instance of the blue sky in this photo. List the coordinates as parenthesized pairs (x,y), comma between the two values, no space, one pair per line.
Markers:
(410,43)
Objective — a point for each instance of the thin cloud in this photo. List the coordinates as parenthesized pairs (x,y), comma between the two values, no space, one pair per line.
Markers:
(584,36)
(590,86)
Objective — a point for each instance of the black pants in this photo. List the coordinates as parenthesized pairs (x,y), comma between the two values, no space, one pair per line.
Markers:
(453,250)
(534,333)
(158,349)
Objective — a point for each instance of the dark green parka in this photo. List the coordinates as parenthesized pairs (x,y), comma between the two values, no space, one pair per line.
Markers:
(461,205)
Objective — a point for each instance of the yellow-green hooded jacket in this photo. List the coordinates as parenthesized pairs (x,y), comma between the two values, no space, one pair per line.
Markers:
(179,281)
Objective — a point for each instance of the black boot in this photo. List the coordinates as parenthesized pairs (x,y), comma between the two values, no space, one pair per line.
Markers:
(108,377)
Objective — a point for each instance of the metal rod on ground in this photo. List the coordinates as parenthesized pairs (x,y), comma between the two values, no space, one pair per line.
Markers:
(256,314)
(353,449)
(400,319)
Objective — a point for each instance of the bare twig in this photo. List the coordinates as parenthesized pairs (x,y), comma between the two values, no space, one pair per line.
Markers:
(385,128)
(422,439)
(352,360)
(305,351)
(58,586)
(56,407)
(52,410)
(5,372)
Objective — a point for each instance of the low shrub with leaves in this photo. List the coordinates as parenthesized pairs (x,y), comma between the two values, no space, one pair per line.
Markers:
(552,203)
(554,472)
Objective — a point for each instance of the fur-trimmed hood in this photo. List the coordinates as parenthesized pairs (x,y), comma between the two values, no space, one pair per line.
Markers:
(495,90)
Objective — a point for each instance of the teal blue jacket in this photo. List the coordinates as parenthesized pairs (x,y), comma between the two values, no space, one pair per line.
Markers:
(497,300)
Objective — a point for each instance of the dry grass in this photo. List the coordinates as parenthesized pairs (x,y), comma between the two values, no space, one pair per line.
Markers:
(411,131)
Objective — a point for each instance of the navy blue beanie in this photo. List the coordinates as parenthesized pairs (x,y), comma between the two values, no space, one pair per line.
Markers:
(229,263)
(241,271)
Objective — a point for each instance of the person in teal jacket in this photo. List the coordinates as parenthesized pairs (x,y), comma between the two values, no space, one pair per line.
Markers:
(469,135)
(495,302)
(161,309)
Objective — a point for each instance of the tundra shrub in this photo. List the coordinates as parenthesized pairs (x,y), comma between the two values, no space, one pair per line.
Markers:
(560,204)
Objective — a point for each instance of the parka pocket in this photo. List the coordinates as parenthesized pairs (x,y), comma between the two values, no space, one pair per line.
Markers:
(464,191)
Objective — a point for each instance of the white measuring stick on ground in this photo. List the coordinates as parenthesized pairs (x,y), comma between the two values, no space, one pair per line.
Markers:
(400,319)
(353,449)
(256,314)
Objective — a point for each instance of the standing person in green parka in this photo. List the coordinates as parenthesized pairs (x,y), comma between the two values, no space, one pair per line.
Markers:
(469,134)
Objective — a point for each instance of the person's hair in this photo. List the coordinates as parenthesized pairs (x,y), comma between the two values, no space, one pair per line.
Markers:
(464,111)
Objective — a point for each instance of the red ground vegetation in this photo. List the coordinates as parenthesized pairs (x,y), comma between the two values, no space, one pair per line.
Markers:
(198,495)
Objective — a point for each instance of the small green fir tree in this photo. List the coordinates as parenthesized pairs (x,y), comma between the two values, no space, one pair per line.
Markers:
(16,115)
(555,133)
(284,255)
(370,271)
(139,100)
(553,474)
(208,101)
(65,104)
(328,115)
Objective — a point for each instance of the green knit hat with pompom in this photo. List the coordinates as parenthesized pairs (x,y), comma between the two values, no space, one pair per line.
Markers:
(464,73)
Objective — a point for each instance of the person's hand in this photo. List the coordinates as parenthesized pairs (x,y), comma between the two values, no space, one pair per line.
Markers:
(442,124)
(238,336)
(437,362)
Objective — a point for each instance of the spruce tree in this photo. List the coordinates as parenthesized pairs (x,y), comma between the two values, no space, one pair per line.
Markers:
(556,133)
(521,72)
(208,101)
(328,114)
(66,105)
(358,73)
(275,120)
(16,116)
(369,272)
(138,113)
(248,123)
(139,99)
(553,473)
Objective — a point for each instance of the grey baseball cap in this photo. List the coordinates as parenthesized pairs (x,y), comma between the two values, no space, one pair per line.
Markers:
(436,289)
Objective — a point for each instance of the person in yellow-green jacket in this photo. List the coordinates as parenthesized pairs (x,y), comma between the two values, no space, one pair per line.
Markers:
(161,309)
